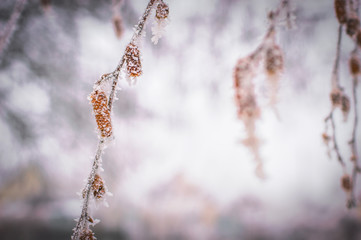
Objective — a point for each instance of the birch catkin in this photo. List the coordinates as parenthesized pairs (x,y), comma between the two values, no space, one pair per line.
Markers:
(132,58)
(102,115)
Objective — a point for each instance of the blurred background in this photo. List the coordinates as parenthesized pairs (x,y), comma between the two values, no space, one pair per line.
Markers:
(177,168)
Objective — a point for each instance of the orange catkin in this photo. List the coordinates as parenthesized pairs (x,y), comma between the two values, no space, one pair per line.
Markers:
(98,187)
(102,115)
(340,10)
(132,57)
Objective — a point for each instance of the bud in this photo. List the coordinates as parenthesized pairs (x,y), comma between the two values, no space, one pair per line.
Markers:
(102,115)
(340,10)
(162,11)
(354,64)
(346,183)
(326,138)
(132,58)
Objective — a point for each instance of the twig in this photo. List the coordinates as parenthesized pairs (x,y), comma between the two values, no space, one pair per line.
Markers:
(352,142)
(335,78)
(334,140)
(10,26)
(83,220)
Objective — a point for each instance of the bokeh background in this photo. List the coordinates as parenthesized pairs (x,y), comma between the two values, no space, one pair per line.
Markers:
(177,168)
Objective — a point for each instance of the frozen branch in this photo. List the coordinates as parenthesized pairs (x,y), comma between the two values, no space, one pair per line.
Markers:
(130,56)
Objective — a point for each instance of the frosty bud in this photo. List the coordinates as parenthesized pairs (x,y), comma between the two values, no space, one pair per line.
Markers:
(354,64)
(87,234)
(352,25)
(102,115)
(340,10)
(346,183)
(274,60)
(98,187)
(162,11)
(118,26)
(132,58)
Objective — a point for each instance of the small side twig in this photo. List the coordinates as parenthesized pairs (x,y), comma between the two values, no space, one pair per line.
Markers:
(10,26)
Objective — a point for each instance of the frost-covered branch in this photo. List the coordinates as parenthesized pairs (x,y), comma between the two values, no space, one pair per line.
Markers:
(102,107)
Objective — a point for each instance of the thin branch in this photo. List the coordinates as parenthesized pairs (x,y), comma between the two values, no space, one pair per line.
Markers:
(335,78)
(334,140)
(83,220)
(352,142)
(10,26)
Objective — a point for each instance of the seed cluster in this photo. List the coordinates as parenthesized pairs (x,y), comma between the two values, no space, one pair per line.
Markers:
(132,59)
(102,115)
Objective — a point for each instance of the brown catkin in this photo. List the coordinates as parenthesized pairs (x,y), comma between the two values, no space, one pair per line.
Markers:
(132,58)
(346,183)
(102,115)
(354,64)
(162,11)
(274,60)
(352,26)
(98,187)
(340,10)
